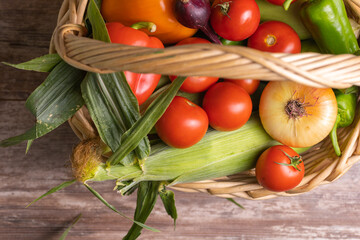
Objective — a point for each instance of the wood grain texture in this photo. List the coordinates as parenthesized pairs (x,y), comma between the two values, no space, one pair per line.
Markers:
(328,212)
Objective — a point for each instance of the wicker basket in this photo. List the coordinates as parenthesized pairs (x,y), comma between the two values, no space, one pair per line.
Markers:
(312,69)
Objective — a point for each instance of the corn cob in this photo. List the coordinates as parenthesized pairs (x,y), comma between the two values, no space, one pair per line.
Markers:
(217,154)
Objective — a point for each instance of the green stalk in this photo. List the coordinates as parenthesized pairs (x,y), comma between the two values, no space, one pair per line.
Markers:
(333,137)
(119,172)
(146,199)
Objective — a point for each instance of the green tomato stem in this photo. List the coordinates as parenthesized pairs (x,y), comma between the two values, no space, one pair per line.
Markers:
(224,8)
(294,161)
(287,4)
(151,27)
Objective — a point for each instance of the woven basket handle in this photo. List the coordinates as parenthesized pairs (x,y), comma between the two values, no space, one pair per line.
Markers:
(312,69)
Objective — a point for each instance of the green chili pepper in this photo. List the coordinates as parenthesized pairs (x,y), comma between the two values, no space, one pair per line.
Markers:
(346,101)
(329,26)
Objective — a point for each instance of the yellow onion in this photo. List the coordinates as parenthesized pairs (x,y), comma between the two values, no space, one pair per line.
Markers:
(297,115)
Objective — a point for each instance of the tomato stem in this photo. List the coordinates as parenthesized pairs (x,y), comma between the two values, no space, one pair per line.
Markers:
(287,4)
(294,161)
(225,7)
(151,27)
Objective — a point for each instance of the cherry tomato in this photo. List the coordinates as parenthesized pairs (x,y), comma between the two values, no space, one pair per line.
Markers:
(250,85)
(183,124)
(227,105)
(195,84)
(275,36)
(235,20)
(142,85)
(279,168)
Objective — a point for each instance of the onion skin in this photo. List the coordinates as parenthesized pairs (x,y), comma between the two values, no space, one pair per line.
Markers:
(303,131)
(196,14)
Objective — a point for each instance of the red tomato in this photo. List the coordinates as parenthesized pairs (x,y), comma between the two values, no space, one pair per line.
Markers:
(142,85)
(235,20)
(183,124)
(275,36)
(195,84)
(271,172)
(227,105)
(250,85)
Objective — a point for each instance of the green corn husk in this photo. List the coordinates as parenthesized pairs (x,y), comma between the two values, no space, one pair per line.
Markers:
(217,154)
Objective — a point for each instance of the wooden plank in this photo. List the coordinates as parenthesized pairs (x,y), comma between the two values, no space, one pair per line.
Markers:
(26,28)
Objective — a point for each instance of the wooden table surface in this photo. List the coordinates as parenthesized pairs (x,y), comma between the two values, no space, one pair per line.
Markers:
(328,212)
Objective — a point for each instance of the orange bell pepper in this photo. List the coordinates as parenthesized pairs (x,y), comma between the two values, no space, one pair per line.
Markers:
(160,12)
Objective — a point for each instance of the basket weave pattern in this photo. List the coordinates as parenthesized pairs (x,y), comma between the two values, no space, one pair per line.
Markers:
(312,69)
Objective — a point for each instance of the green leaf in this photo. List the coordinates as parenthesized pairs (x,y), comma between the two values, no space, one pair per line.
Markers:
(236,203)
(60,91)
(168,199)
(27,136)
(131,138)
(29,143)
(164,80)
(114,109)
(97,22)
(123,103)
(146,199)
(53,102)
(98,3)
(116,91)
(96,194)
(41,64)
(107,124)
(64,235)
(55,189)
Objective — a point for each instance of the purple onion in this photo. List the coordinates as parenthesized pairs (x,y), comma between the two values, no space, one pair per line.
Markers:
(195,14)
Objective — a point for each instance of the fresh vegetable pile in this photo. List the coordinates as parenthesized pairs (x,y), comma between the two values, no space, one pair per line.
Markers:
(153,131)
